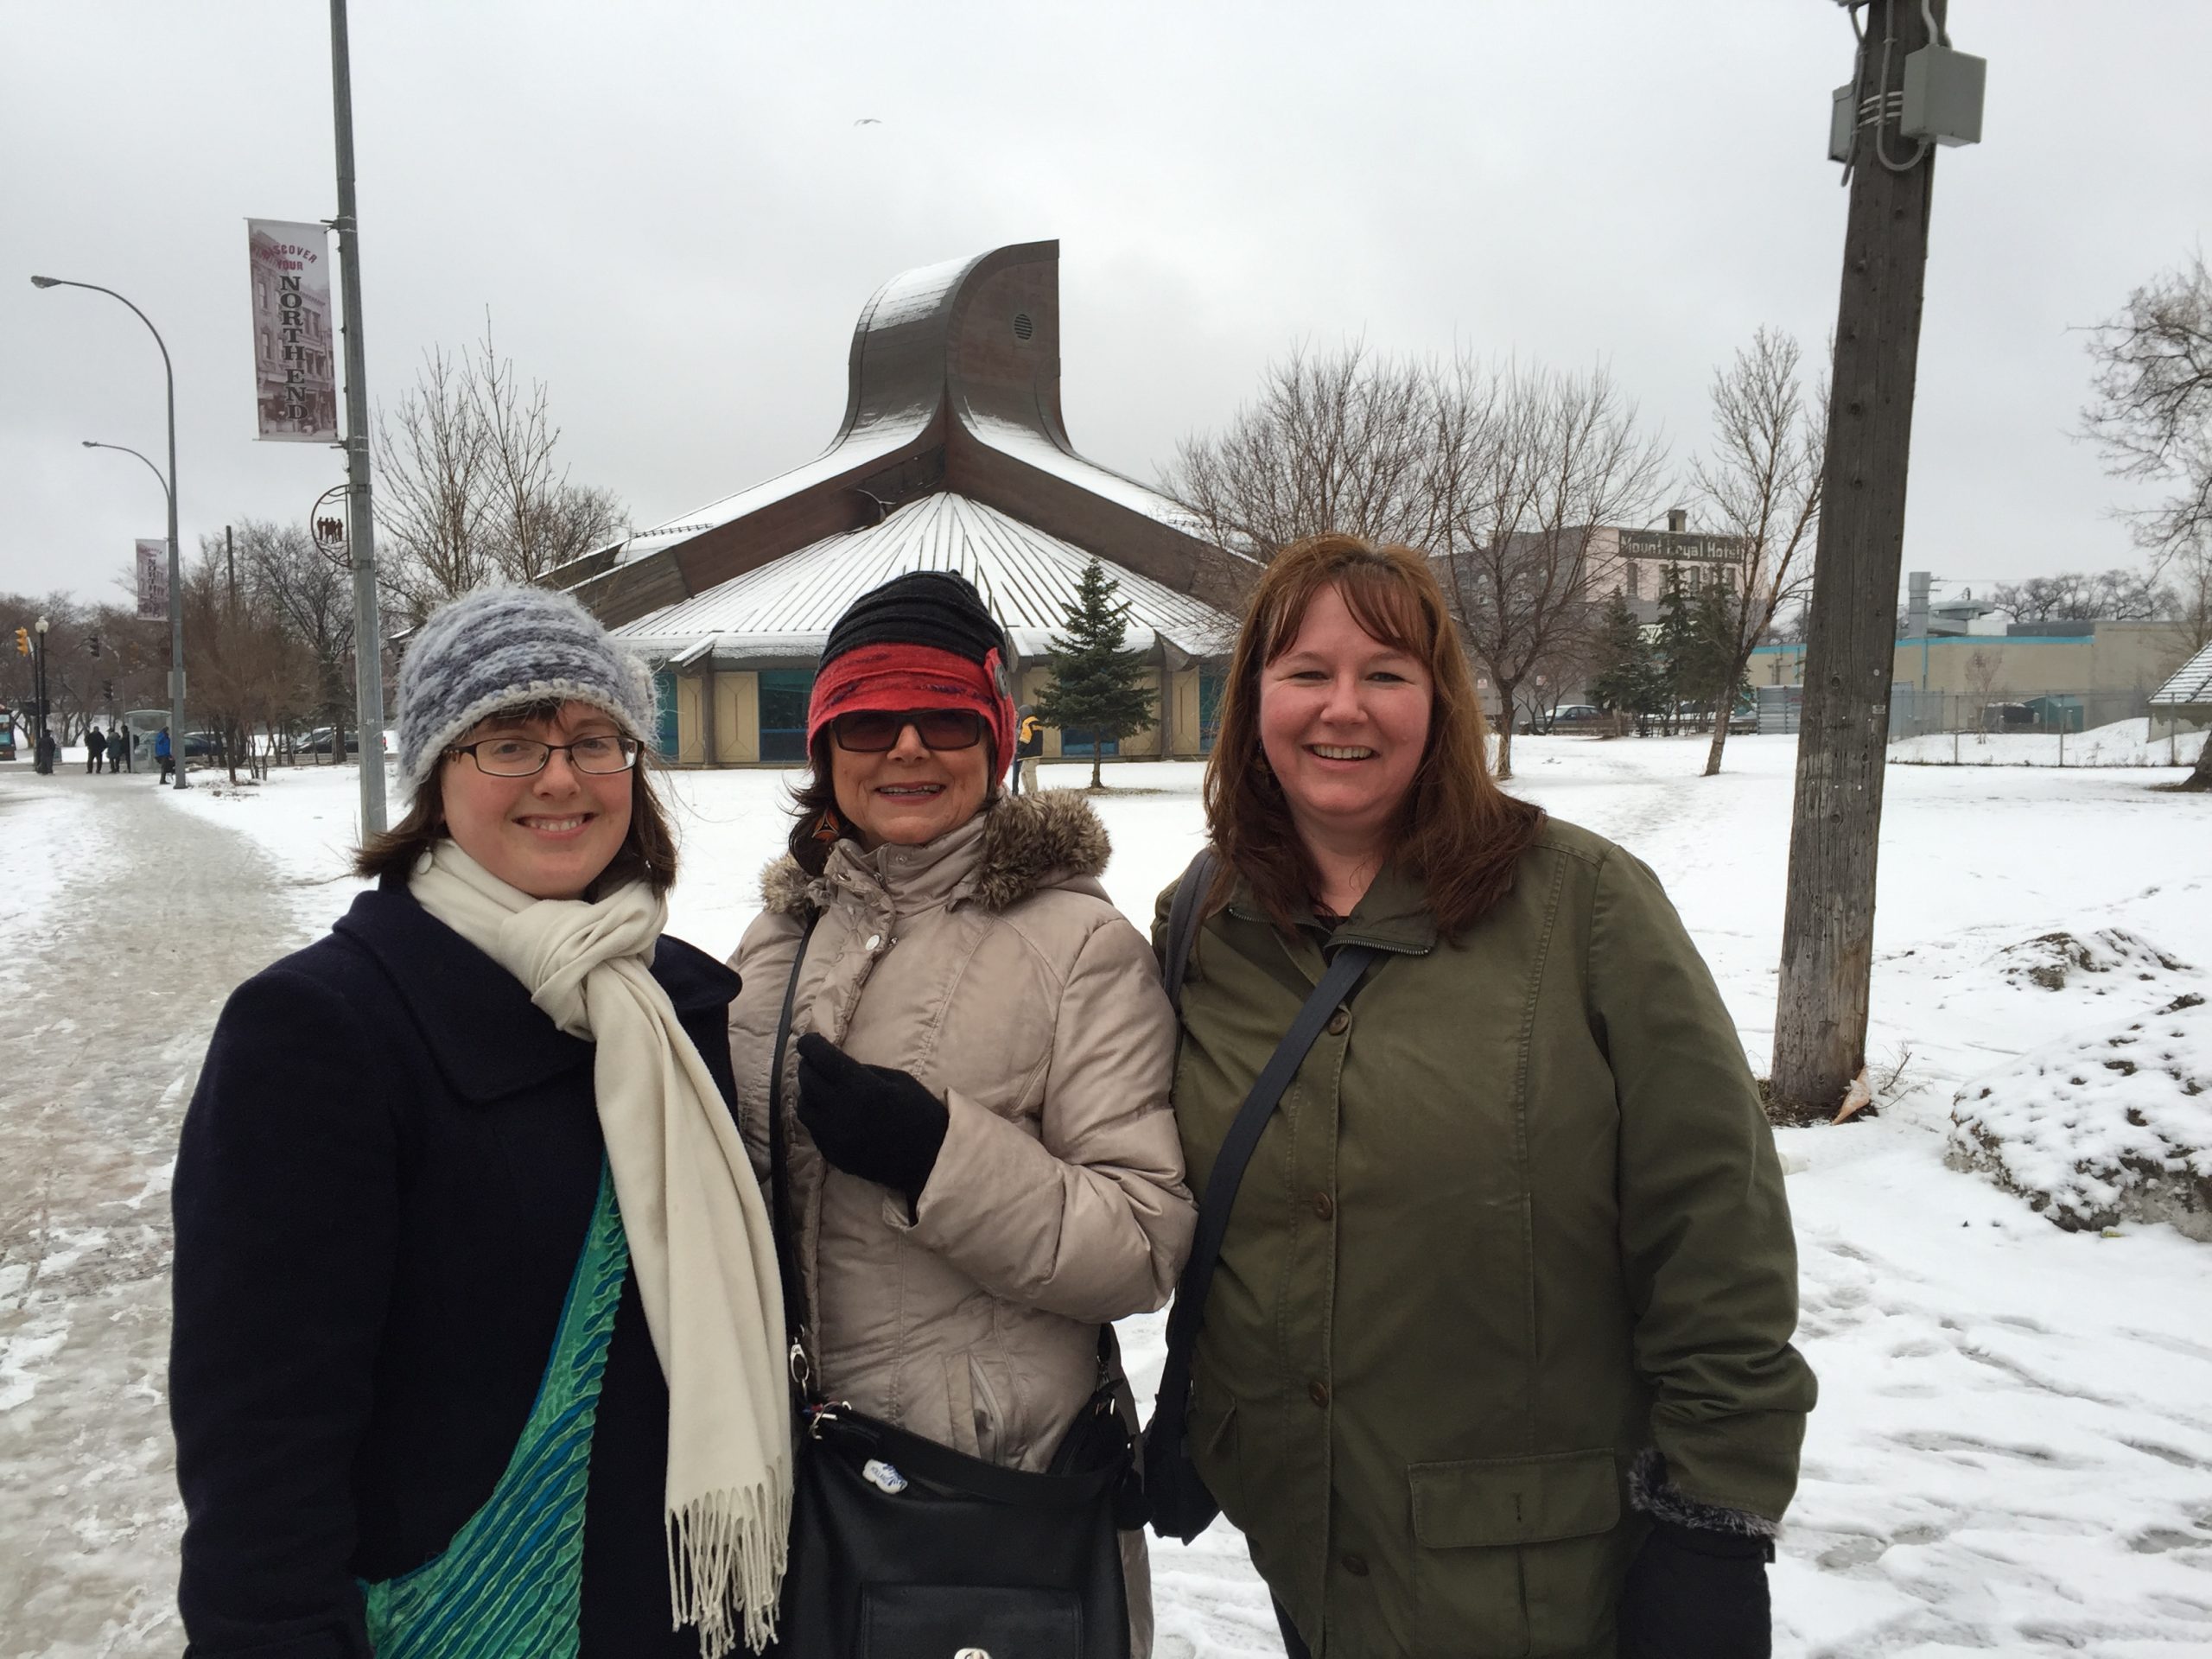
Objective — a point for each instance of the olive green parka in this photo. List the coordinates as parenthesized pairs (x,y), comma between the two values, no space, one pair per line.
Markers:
(1517,1223)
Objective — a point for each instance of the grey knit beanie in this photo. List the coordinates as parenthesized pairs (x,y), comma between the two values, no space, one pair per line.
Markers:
(500,647)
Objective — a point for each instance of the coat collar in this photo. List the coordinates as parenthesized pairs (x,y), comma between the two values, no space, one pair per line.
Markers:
(1392,915)
(488,1037)
(1018,846)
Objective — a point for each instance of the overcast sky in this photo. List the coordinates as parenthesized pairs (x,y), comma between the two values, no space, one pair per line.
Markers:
(674,219)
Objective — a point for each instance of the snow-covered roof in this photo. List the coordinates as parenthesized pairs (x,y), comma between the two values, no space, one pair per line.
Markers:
(2191,684)
(786,607)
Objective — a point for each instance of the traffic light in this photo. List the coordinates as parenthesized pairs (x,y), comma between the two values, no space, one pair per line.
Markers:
(22,642)
(92,644)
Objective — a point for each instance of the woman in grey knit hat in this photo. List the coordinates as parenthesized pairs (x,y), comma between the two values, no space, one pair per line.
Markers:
(478,1335)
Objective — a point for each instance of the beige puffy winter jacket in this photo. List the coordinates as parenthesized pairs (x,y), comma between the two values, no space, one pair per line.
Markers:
(990,964)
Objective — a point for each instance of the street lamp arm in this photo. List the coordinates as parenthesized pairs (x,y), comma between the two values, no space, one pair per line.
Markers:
(65,282)
(176,577)
(124,450)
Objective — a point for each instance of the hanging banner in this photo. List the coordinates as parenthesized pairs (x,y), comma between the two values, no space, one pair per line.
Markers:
(153,571)
(294,358)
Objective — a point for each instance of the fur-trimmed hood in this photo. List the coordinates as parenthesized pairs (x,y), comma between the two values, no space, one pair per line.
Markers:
(1029,842)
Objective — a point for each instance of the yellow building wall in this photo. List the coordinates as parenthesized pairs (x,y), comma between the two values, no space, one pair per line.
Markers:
(690,730)
(1182,711)
(1147,742)
(737,718)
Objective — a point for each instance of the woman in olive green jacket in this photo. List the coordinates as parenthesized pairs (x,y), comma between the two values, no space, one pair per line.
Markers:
(1496,1359)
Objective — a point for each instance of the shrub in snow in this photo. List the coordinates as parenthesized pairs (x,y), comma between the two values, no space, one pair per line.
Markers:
(2110,1124)
(2051,959)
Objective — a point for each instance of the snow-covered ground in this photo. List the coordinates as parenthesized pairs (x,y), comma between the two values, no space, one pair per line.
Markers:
(2123,743)
(2013,1450)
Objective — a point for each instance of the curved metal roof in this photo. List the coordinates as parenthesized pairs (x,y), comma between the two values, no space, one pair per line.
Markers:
(1028,577)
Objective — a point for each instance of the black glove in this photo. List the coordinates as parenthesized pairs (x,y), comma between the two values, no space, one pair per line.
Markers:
(870,1121)
(1693,1594)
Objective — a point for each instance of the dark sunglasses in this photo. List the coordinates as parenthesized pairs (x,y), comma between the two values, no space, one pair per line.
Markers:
(872,731)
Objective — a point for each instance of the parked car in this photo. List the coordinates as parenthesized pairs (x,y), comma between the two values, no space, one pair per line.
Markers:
(1579,718)
(318,741)
(201,745)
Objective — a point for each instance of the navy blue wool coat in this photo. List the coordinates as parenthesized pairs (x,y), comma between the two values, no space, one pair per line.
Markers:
(381,1193)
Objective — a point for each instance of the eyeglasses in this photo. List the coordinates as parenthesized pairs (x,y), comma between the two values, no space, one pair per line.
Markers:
(872,731)
(525,756)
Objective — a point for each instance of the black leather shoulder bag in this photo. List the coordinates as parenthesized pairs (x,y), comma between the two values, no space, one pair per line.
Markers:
(902,1548)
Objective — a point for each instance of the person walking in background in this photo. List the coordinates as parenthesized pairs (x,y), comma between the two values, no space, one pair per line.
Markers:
(982,1166)
(118,749)
(1029,744)
(95,747)
(478,1340)
(162,753)
(45,751)
(1497,1358)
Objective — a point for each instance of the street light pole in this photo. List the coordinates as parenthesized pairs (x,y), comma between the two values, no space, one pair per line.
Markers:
(368,632)
(176,580)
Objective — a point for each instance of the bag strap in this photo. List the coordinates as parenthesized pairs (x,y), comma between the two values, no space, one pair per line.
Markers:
(1236,1149)
(786,1226)
(1183,920)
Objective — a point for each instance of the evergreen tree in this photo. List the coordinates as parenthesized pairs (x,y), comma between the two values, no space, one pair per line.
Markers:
(1098,687)
(1677,651)
(1627,681)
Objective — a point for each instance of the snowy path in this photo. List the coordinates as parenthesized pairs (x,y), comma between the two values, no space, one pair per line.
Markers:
(2013,1449)
(110,1002)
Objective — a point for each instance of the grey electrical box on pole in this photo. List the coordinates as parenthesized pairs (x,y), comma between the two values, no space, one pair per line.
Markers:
(368,630)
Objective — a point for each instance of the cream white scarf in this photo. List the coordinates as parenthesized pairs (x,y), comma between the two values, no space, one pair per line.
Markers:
(700,1242)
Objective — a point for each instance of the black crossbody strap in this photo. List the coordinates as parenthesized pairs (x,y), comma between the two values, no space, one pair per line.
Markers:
(1236,1149)
(1183,918)
(786,1225)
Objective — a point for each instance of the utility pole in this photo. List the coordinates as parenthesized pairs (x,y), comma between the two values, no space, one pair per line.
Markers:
(1820,1036)
(368,630)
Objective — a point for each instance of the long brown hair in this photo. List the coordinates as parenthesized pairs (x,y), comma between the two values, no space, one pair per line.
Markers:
(1457,830)
(647,853)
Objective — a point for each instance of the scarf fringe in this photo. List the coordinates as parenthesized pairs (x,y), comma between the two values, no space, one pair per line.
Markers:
(726,1553)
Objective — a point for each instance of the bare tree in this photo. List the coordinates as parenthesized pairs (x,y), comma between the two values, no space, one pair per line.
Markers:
(1508,477)
(1540,463)
(2150,406)
(431,499)
(471,488)
(311,591)
(247,671)
(1339,441)
(1760,483)
(1984,669)
(2121,594)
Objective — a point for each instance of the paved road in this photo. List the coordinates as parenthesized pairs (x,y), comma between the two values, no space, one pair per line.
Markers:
(126,924)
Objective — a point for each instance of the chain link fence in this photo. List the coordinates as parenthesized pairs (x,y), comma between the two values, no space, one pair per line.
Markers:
(2039,728)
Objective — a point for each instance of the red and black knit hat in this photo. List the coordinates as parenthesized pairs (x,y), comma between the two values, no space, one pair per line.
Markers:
(922,641)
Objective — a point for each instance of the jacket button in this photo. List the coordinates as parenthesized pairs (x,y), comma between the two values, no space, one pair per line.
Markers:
(1323,1205)
(1356,1565)
(1318,1392)
(1339,1022)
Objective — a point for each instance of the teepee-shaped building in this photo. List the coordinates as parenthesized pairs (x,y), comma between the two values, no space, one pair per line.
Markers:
(951,455)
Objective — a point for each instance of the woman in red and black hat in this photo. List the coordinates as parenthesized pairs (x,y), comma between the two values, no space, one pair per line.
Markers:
(983,1169)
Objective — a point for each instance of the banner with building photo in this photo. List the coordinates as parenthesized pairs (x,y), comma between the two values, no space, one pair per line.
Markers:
(152,568)
(295,355)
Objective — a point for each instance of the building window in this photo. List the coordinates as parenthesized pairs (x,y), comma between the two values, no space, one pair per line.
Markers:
(784,693)
(1212,683)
